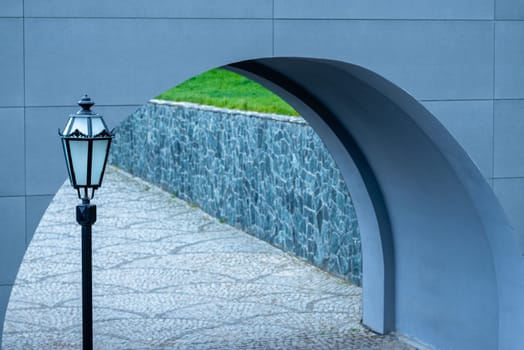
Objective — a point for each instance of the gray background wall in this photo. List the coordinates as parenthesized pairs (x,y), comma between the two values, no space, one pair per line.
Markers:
(460,58)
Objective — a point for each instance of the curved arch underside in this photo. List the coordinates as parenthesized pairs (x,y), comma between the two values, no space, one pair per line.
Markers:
(441,263)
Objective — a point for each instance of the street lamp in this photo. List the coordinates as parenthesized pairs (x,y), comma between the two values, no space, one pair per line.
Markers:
(86,140)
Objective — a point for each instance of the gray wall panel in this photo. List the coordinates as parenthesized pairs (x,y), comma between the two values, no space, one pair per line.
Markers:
(509,138)
(403,9)
(45,166)
(12,237)
(510,9)
(511,195)
(144,8)
(471,124)
(427,58)
(12,152)
(110,75)
(44,158)
(11,8)
(35,209)
(509,59)
(11,62)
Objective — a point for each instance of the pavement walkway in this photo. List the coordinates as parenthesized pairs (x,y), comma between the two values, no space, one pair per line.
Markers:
(168,276)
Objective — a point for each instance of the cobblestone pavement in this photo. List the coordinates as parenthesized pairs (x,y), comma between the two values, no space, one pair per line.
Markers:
(168,276)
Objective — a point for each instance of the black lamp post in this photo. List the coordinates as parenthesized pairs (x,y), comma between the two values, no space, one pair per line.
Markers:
(86,140)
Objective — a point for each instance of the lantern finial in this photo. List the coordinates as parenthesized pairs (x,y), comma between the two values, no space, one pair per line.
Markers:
(86,103)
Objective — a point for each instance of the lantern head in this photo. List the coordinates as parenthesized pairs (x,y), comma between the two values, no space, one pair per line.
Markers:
(86,141)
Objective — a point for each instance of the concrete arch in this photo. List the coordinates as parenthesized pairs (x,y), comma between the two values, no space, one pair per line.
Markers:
(436,244)
(444,239)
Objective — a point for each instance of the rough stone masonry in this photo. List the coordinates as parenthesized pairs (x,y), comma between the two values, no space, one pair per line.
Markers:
(269,175)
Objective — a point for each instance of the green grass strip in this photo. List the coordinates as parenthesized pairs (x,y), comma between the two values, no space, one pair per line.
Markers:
(222,88)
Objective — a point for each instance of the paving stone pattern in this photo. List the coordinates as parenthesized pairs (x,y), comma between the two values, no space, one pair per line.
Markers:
(266,174)
(169,276)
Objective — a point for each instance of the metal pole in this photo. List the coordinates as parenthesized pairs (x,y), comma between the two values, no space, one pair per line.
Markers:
(86,216)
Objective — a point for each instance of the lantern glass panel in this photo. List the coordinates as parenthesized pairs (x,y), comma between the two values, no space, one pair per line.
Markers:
(80,124)
(68,124)
(66,154)
(78,150)
(97,126)
(98,160)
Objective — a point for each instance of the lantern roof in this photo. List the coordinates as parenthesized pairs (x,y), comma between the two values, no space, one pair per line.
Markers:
(86,123)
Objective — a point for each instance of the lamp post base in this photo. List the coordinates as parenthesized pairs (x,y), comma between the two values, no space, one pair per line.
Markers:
(86,216)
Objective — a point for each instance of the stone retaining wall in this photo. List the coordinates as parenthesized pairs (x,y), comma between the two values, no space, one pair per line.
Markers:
(269,175)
